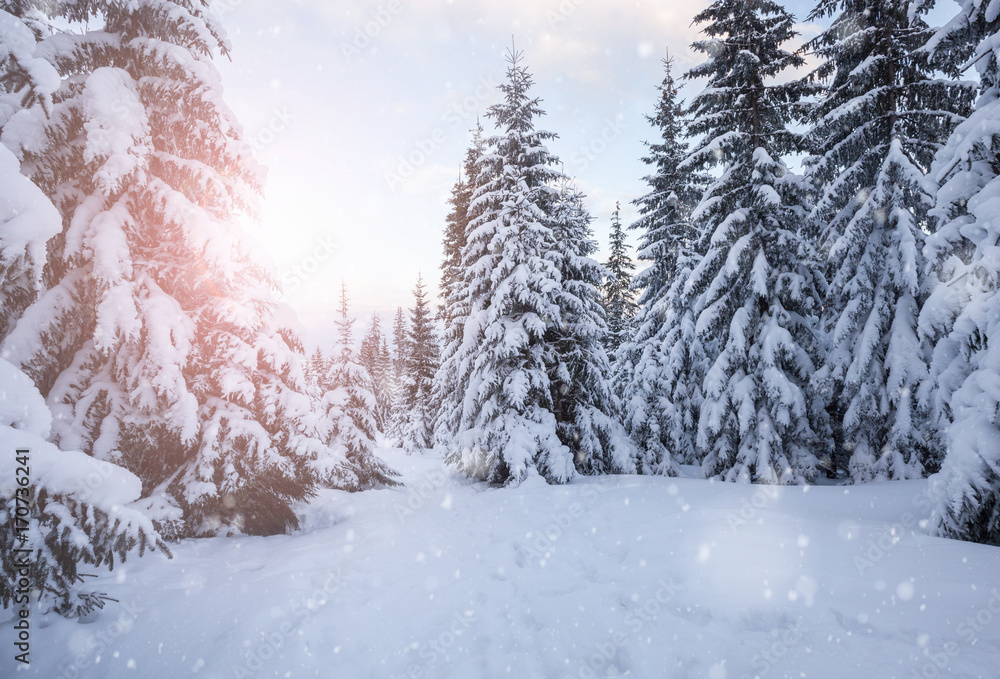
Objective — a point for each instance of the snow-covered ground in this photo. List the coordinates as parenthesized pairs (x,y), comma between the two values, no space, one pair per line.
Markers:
(608,576)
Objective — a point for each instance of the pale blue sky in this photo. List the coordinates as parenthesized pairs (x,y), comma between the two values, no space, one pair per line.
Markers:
(342,97)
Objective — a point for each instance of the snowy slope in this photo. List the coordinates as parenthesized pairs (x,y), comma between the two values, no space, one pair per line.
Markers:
(608,576)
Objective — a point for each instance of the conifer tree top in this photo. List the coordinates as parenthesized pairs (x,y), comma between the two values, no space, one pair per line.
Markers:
(744,55)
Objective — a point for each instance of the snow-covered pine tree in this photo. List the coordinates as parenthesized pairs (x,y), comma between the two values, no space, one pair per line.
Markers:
(112,366)
(421,366)
(503,401)
(397,391)
(158,343)
(348,408)
(456,226)
(453,242)
(400,333)
(758,294)
(72,523)
(316,369)
(27,218)
(619,298)
(373,360)
(385,381)
(881,115)
(661,368)
(961,318)
(388,388)
(454,292)
(586,409)
(670,376)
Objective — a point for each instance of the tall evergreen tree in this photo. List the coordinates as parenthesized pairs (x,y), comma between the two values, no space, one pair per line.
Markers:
(586,409)
(157,343)
(619,298)
(421,365)
(70,525)
(456,226)
(531,314)
(881,116)
(454,293)
(961,319)
(505,425)
(660,369)
(758,294)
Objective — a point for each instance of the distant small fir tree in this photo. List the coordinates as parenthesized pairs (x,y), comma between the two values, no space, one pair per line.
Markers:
(618,296)
(348,411)
(316,368)
(397,395)
(372,358)
(421,365)
(587,411)
(661,367)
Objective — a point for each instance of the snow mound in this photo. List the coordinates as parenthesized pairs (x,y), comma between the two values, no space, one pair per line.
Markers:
(606,576)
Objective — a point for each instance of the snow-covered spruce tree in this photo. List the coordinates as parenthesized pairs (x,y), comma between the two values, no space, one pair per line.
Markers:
(532,314)
(618,295)
(388,393)
(454,241)
(456,226)
(421,365)
(586,408)
(961,318)
(758,294)
(158,344)
(880,117)
(348,409)
(397,391)
(502,391)
(400,332)
(78,508)
(379,368)
(454,294)
(29,219)
(383,381)
(76,516)
(660,369)
(668,380)
(315,370)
